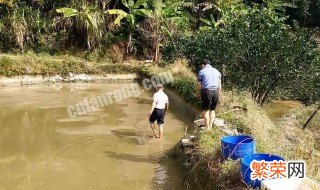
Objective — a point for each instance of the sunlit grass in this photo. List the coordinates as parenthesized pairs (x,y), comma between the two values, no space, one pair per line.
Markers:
(44,64)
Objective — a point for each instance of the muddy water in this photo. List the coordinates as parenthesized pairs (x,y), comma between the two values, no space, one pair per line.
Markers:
(279,108)
(41,147)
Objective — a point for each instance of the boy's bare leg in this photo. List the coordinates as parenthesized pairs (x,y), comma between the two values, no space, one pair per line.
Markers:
(160,131)
(212,116)
(206,118)
(153,127)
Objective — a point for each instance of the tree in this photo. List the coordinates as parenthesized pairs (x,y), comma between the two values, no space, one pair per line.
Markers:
(88,18)
(260,52)
(166,15)
(135,9)
(160,15)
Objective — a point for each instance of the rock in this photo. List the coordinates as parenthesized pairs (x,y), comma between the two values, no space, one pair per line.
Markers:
(58,78)
(10,81)
(89,78)
(218,122)
(25,80)
(28,80)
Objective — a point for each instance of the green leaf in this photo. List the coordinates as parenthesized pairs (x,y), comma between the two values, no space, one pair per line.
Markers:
(68,12)
(121,14)
(116,12)
(143,12)
(165,30)
(216,24)
(159,5)
(130,19)
(89,19)
(290,5)
(125,3)
(130,3)
(208,22)
(139,3)
(205,28)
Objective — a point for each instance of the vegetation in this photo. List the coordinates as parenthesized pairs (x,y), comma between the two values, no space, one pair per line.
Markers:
(257,51)
(275,133)
(282,137)
(265,49)
(257,44)
(184,83)
(32,64)
(104,26)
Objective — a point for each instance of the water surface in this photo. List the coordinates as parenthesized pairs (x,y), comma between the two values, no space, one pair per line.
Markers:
(41,147)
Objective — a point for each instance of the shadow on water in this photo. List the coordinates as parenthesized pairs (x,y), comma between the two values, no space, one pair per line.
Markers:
(124,133)
(143,100)
(132,157)
(127,136)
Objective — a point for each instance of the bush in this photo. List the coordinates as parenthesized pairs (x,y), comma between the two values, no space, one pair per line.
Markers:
(259,52)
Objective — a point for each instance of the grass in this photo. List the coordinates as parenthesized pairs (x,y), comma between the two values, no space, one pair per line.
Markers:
(283,137)
(184,84)
(43,64)
(302,144)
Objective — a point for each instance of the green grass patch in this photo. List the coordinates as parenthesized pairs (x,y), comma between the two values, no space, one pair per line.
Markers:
(34,64)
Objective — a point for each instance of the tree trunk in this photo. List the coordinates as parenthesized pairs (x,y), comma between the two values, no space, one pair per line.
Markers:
(156,43)
(88,43)
(310,118)
(129,44)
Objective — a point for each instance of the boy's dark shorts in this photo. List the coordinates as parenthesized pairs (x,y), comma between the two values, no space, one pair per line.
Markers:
(157,114)
(209,99)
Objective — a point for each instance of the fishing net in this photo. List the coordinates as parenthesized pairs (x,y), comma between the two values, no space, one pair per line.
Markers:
(142,127)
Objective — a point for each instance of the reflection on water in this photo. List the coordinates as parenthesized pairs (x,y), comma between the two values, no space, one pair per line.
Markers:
(42,148)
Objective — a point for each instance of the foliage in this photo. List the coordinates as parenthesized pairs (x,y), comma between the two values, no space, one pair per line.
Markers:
(259,52)
(306,12)
(7,3)
(249,40)
(156,18)
(135,9)
(88,19)
(184,82)
(35,64)
(166,15)
(186,88)
(24,26)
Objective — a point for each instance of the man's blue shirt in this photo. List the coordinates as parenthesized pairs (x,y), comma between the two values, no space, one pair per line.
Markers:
(209,77)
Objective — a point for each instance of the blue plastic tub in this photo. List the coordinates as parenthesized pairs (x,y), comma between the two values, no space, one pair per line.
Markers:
(246,171)
(235,147)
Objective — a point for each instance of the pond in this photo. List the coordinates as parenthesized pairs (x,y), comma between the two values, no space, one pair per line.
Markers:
(42,147)
(279,108)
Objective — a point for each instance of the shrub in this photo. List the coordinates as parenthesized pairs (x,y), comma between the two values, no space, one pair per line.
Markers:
(259,52)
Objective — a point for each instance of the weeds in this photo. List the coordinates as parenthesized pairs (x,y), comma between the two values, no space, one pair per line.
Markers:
(34,64)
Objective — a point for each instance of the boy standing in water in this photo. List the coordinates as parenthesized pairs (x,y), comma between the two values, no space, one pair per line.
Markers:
(159,109)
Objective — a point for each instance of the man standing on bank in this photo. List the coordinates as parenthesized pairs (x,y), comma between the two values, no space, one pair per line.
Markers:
(209,80)
(158,110)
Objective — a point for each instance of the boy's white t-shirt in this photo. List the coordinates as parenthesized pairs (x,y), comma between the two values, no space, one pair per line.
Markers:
(161,99)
